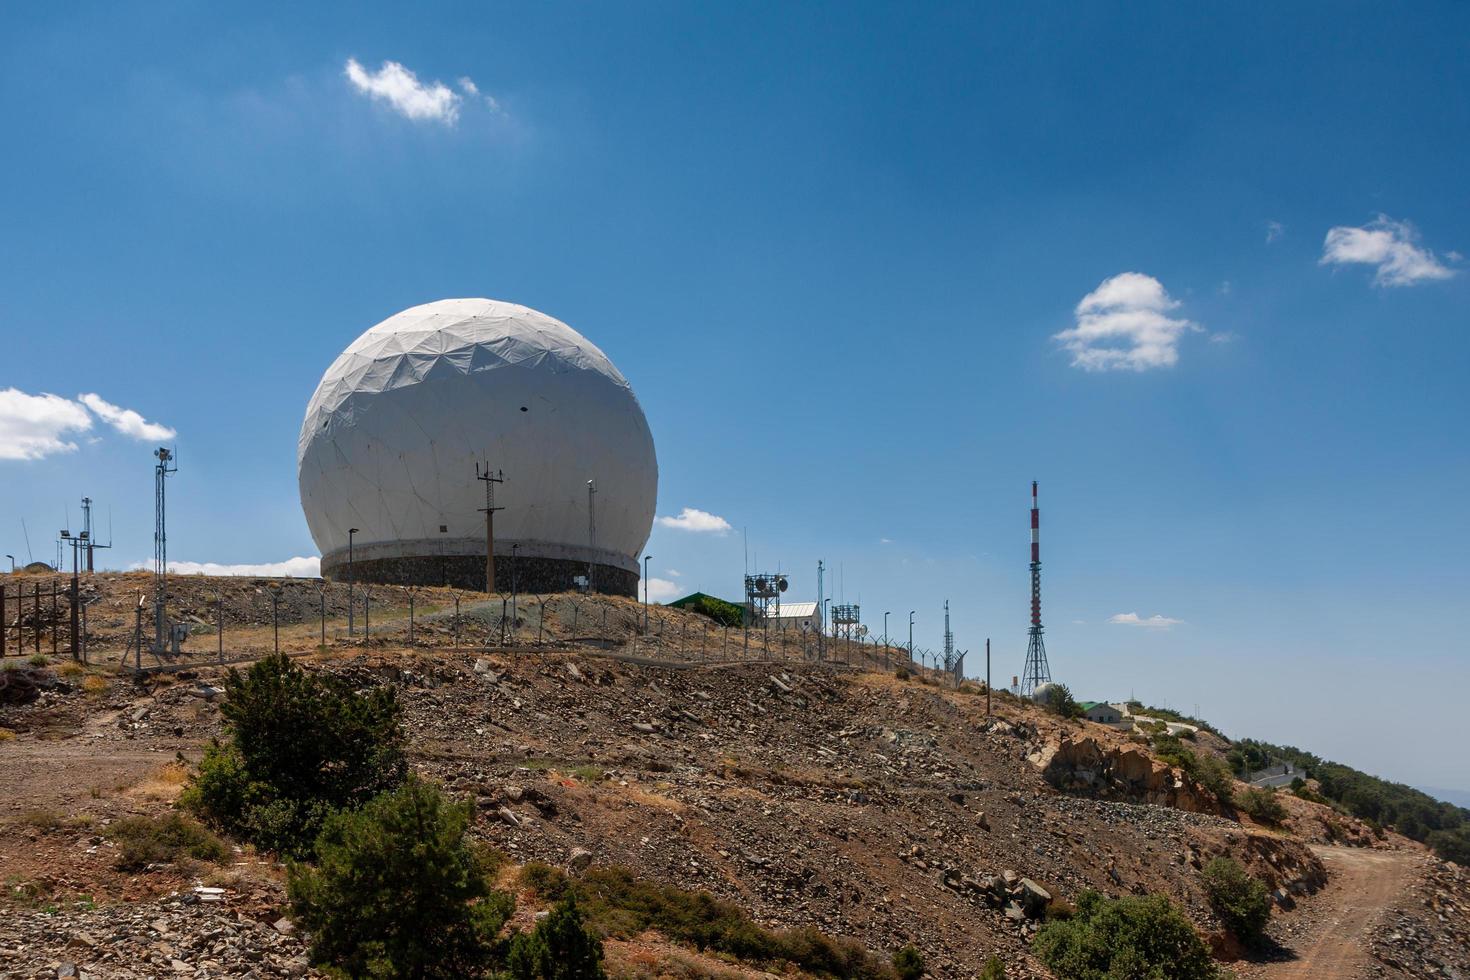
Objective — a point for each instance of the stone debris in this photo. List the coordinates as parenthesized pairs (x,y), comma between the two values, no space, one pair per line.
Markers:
(165,937)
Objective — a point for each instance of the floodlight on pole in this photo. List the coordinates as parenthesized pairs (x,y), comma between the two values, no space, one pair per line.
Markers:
(351,579)
(646,559)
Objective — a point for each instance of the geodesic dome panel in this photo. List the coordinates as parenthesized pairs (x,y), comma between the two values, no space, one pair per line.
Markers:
(395,428)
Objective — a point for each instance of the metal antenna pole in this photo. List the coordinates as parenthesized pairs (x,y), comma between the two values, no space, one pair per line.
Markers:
(591,535)
(161,472)
(489,479)
(1037,671)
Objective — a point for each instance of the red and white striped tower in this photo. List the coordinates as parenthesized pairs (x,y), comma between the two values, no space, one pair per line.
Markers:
(1036,671)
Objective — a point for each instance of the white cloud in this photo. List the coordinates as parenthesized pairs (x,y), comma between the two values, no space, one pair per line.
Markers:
(467,85)
(1274,230)
(673,573)
(1124,324)
(36,426)
(402,90)
(1153,622)
(1390,245)
(291,567)
(125,420)
(693,519)
(662,590)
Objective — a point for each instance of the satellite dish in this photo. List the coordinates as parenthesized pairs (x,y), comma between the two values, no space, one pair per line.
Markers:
(781,584)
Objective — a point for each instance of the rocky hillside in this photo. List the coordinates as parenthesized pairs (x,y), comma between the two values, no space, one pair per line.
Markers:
(875,807)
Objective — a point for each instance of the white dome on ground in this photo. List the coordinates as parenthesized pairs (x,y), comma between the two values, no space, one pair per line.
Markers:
(398,422)
(1044,693)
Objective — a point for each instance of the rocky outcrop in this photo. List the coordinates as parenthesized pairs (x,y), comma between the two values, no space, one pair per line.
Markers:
(1088,767)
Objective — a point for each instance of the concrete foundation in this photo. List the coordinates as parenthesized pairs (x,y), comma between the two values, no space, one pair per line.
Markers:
(525,575)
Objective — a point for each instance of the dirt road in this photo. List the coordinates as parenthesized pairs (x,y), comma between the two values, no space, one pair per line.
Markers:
(1329,934)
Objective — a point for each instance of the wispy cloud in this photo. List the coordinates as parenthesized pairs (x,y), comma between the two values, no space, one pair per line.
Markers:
(694,519)
(125,420)
(290,568)
(1274,231)
(662,590)
(673,573)
(1153,622)
(401,90)
(37,426)
(1123,325)
(1392,246)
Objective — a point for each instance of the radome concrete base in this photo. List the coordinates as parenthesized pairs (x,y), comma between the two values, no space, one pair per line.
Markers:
(525,575)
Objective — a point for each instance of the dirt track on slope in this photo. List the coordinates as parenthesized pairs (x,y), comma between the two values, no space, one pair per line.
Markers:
(1332,942)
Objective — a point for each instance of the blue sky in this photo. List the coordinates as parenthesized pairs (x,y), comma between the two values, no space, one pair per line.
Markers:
(833,247)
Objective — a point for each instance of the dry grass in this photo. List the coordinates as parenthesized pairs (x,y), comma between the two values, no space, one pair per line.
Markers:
(94,686)
(165,783)
(6,735)
(71,669)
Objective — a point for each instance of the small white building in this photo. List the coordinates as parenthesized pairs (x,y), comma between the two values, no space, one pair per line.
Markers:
(795,616)
(1101,712)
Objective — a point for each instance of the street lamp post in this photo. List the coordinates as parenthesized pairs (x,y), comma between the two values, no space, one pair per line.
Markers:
(12,563)
(646,559)
(911,636)
(351,579)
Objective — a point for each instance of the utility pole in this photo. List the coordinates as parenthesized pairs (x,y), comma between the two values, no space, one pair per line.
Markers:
(911,636)
(591,535)
(489,479)
(987,677)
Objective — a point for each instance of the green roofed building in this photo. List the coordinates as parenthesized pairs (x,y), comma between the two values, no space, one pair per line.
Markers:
(722,612)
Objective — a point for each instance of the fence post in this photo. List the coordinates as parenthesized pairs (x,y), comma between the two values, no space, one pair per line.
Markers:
(55,619)
(540,620)
(4,621)
(276,618)
(38,617)
(410,617)
(219,614)
(322,605)
(84,633)
(367,615)
(456,621)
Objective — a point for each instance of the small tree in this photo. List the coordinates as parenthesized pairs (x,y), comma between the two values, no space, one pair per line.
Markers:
(1124,937)
(397,892)
(559,948)
(1240,901)
(300,746)
(1061,702)
(995,969)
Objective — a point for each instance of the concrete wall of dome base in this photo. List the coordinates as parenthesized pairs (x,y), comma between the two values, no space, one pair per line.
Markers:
(532,575)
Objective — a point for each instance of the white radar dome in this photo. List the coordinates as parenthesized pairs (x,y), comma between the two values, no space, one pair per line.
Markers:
(387,457)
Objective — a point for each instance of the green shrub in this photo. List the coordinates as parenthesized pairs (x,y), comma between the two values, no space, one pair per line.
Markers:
(618,903)
(1207,770)
(1452,845)
(908,963)
(397,892)
(1241,902)
(1110,939)
(1262,805)
(546,881)
(142,841)
(995,969)
(722,612)
(902,673)
(301,746)
(560,948)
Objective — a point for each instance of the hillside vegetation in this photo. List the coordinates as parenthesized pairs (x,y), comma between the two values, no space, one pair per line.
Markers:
(1417,815)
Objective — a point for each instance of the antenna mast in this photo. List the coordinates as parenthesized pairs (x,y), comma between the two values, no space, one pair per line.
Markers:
(591,534)
(161,471)
(489,479)
(1036,671)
